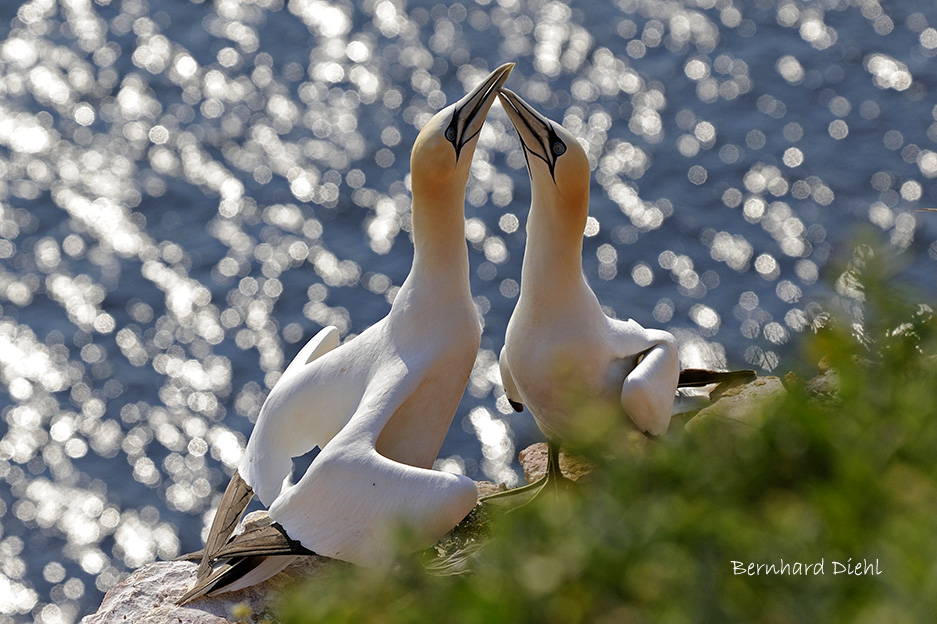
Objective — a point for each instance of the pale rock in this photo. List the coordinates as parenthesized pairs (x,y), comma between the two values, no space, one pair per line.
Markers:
(534,461)
(148,596)
(741,407)
(487,488)
(824,387)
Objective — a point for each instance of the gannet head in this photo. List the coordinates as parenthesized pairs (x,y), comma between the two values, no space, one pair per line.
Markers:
(442,152)
(557,163)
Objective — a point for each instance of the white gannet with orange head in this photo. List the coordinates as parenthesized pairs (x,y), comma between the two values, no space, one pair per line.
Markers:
(558,339)
(378,406)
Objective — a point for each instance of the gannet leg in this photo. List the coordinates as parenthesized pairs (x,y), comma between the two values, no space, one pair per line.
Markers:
(554,476)
(647,394)
(553,480)
(515,497)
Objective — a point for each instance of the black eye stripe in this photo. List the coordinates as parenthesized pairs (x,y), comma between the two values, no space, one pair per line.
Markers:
(551,146)
(555,142)
(452,133)
(550,143)
(454,130)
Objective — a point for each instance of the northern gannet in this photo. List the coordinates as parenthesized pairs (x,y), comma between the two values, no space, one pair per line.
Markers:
(559,343)
(378,406)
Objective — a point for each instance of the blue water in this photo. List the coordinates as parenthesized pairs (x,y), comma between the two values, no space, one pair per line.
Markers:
(189,191)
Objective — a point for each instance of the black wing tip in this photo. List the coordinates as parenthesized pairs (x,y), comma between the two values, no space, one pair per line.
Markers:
(695,377)
(225,574)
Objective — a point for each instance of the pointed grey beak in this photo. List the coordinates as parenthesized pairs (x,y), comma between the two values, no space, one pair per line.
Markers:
(536,133)
(471,110)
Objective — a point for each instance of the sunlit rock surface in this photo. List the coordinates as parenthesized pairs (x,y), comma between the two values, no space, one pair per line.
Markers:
(533,460)
(148,596)
(741,407)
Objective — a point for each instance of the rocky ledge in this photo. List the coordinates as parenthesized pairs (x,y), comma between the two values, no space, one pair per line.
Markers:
(149,595)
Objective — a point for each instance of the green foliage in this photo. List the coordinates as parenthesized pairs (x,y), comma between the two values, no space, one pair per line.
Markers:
(651,536)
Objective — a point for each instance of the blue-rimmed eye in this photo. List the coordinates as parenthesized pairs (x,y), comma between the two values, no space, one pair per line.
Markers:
(559,148)
(450,134)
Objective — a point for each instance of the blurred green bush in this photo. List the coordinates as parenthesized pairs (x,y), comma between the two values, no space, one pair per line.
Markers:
(652,536)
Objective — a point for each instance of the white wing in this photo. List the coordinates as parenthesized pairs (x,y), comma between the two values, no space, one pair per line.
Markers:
(648,391)
(293,415)
(354,504)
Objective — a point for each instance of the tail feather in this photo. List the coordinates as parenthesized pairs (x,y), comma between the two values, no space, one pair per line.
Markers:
(250,571)
(692,396)
(236,574)
(235,499)
(696,377)
(269,540)
(250,557)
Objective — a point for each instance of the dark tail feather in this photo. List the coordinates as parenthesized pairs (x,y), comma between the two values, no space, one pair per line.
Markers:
(224,574)
(235,499)
(245,553)
(268,540)
(696,377)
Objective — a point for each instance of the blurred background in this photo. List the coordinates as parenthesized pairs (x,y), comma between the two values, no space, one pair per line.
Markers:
(190,190)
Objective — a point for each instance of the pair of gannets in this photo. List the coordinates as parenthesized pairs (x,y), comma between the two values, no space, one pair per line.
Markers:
(378,406)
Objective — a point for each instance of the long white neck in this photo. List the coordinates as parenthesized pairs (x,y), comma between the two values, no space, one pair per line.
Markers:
(553,253)
(439,248)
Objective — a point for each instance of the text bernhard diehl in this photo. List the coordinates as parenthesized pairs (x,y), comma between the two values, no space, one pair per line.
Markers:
(798,568)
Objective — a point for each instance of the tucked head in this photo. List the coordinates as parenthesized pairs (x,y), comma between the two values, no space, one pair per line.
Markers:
(556,161)
(442,152)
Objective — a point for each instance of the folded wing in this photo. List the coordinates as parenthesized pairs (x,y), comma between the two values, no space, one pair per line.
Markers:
(372,502)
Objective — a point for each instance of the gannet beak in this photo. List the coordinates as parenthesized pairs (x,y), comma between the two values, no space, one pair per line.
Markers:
(470,111)
(536,133)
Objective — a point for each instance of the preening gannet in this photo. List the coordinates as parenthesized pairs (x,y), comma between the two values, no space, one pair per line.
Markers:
(378,406)
(559,341)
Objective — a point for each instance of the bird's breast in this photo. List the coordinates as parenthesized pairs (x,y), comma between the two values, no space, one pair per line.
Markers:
(556,369)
